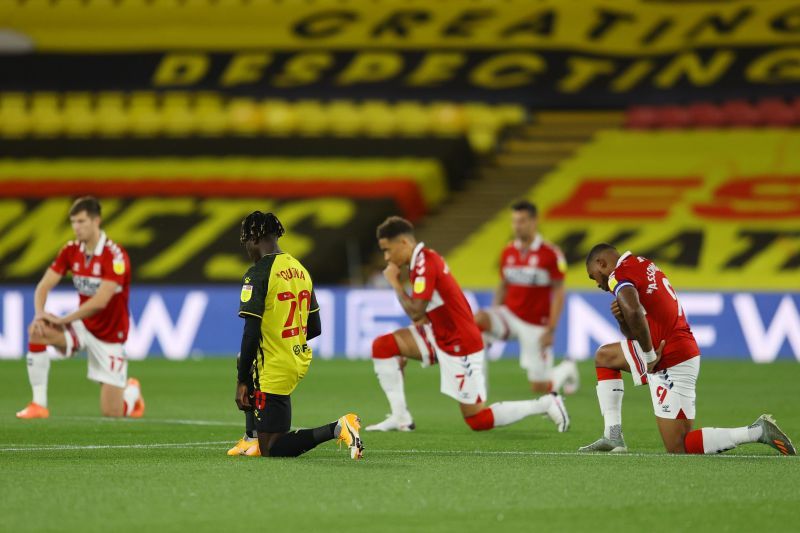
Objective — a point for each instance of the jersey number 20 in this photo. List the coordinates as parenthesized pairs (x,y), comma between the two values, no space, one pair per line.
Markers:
(295,302)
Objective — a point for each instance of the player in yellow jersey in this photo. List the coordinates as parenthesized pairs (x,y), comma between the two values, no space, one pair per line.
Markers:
(281,315)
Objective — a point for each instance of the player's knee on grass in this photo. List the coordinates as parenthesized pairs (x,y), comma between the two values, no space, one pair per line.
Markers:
(483,321)
(541,387)
(482,421)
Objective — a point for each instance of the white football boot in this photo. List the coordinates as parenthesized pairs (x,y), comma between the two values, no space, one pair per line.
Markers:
(403,422)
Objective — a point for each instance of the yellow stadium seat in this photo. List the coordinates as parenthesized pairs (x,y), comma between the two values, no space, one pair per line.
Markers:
(111,114)
(46,118)
(380,120)
(412,119)
(79,115)
(14,118)
(278,117)
(179,118)
(246,117)
(144,115)
(211,118)
(447,118)
(345,119)
(311,118)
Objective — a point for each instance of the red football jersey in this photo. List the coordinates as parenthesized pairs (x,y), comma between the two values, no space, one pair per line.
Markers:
(451,317)
(109,261)
(529,274)
(664,313)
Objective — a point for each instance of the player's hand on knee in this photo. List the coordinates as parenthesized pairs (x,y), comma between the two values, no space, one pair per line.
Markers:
(659,351)
(243,397)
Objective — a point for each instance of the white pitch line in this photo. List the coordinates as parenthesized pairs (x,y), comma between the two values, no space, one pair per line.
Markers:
(176,421)
(533,453)
(54,447)
(498,453)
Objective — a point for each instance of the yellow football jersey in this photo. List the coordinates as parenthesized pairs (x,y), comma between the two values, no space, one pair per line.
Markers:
(279,291)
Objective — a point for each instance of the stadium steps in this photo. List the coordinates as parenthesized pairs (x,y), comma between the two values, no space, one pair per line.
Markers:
(527,153)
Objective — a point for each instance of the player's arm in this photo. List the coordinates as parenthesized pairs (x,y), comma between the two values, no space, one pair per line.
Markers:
(92,306)
(558,295)
(413,307)
(623,326)
(49,280)
(634,316)
(500,294)
(251,338)
(314,325)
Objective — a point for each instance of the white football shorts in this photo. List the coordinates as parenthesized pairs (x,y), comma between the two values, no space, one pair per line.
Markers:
(506,325)
(463,378)
(673,390)
(107,361)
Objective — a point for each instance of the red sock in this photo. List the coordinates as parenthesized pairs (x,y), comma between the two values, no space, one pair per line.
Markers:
(607,373)
(482,421)
(693,442)
(36,348)
(385,347)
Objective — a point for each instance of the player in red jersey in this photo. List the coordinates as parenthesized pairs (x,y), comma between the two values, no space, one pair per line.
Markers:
(444,332)
(101,272)
(528,303)
(660,351)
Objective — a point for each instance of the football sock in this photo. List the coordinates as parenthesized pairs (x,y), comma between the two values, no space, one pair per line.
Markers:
(129,397)
(610,390)
(506,413)
(390,378)
(560,374)
(718,440)
(298,442)
(250,424)
(38,370)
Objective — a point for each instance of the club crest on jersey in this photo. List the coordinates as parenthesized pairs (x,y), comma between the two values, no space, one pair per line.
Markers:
(96,269)
(419,285)
(247,293)
(119,267)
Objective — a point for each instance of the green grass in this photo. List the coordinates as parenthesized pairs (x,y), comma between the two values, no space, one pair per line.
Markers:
(442,477)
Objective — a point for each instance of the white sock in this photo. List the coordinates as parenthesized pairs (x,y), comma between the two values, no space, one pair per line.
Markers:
(560,374)
(129,396)
(38,371)
(609,395)
(506,413)
(718,440)
(391,380)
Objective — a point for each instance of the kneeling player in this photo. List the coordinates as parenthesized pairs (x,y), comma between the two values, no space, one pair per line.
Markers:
(445,332)
(528,303)
(281,314)
(101,274)
(649,315)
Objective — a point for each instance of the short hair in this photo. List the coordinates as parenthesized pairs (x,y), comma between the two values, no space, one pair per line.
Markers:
(597,249)
(525,205)
(257,225)
(90,204)
(393,227)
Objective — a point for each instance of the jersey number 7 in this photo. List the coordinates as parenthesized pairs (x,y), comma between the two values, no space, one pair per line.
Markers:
(295,302)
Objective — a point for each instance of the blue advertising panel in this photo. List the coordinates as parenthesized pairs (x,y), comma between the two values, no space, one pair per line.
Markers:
(178,322)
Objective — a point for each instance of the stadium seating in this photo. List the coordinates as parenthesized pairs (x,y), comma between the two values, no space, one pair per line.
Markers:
(147,114)
(768,112)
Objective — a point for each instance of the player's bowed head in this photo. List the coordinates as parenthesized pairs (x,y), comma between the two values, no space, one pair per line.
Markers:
(260,233)
(601,261)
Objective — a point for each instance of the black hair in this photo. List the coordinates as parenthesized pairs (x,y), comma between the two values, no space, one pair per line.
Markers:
(597,249)
(90,204)
(257,225)
(393,227)
(525,205)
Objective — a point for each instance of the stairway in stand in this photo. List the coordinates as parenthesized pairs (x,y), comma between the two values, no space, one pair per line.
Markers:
(526,154)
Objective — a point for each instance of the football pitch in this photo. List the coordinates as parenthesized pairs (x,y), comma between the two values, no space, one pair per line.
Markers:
(168,472)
